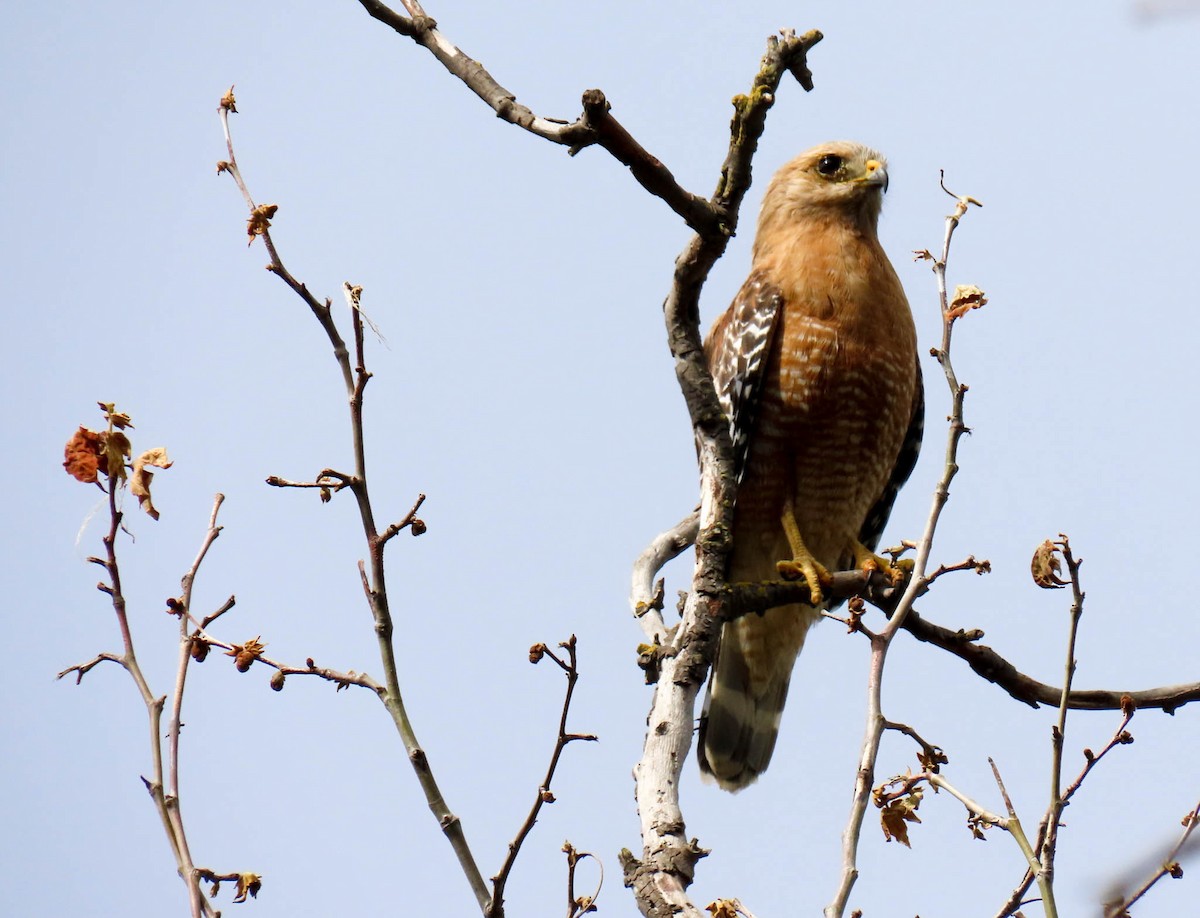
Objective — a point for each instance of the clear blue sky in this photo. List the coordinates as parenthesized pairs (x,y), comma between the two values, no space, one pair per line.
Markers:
(526,388)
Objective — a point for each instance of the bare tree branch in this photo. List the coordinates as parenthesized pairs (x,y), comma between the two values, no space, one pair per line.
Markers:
(594,126)
(354,378)
(987,663)
(666,868)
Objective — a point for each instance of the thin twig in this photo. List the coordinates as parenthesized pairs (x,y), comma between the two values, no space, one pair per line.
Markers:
(1120,737)
(1054,808)
(1015,829)
(175,723)
(1118,907)
(968,564)
(581,905)
(932,757)
(543,796)
(408,520)
(82,669)
(341,679)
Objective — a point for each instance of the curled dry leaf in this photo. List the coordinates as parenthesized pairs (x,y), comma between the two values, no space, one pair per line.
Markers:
(228,103)
(1045,567)
(82,456)
(978,826)
(117,449)
(966,297)
(722,908)
(139,482)
(260,220)
(118,419)
(247,884)
(932,759)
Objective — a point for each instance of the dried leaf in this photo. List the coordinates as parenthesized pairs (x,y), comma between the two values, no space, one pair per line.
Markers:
(82,456)
(247,883)
(228,103)
(897,813)
(260,220)
(139,482)
(116,449)
(966,297)
(722,908)
(1045,567)
(118,419)
(933,759)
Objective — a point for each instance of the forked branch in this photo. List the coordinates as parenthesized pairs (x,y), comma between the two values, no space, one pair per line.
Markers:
(570,668)
(595,126)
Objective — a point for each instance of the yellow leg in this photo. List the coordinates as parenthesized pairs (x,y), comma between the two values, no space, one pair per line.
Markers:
(867,560)
(802,564)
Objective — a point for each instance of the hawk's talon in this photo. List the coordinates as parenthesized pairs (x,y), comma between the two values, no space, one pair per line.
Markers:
(896,571)
(808,570)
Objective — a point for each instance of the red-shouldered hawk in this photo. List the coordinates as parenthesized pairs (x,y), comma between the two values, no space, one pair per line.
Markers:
(816,366)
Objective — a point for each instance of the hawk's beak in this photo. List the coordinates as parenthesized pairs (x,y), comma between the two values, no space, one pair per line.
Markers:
(875,173)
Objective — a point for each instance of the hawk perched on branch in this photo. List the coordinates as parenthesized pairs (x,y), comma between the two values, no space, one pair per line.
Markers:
(816,366)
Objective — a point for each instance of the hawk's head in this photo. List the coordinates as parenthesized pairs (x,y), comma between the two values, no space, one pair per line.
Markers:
(841,180)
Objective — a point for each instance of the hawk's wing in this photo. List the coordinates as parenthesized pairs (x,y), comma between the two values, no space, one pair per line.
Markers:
(872,527)
(738,348)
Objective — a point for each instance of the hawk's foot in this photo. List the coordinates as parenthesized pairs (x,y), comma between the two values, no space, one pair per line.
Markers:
(806,568)
(896,571)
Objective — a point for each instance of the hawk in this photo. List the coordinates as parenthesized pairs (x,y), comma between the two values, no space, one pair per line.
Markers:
(815,365)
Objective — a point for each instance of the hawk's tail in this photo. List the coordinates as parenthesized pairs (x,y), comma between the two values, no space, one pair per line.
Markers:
(744,703)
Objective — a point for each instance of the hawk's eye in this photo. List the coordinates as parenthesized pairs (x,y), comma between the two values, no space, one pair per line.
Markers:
(829,164)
